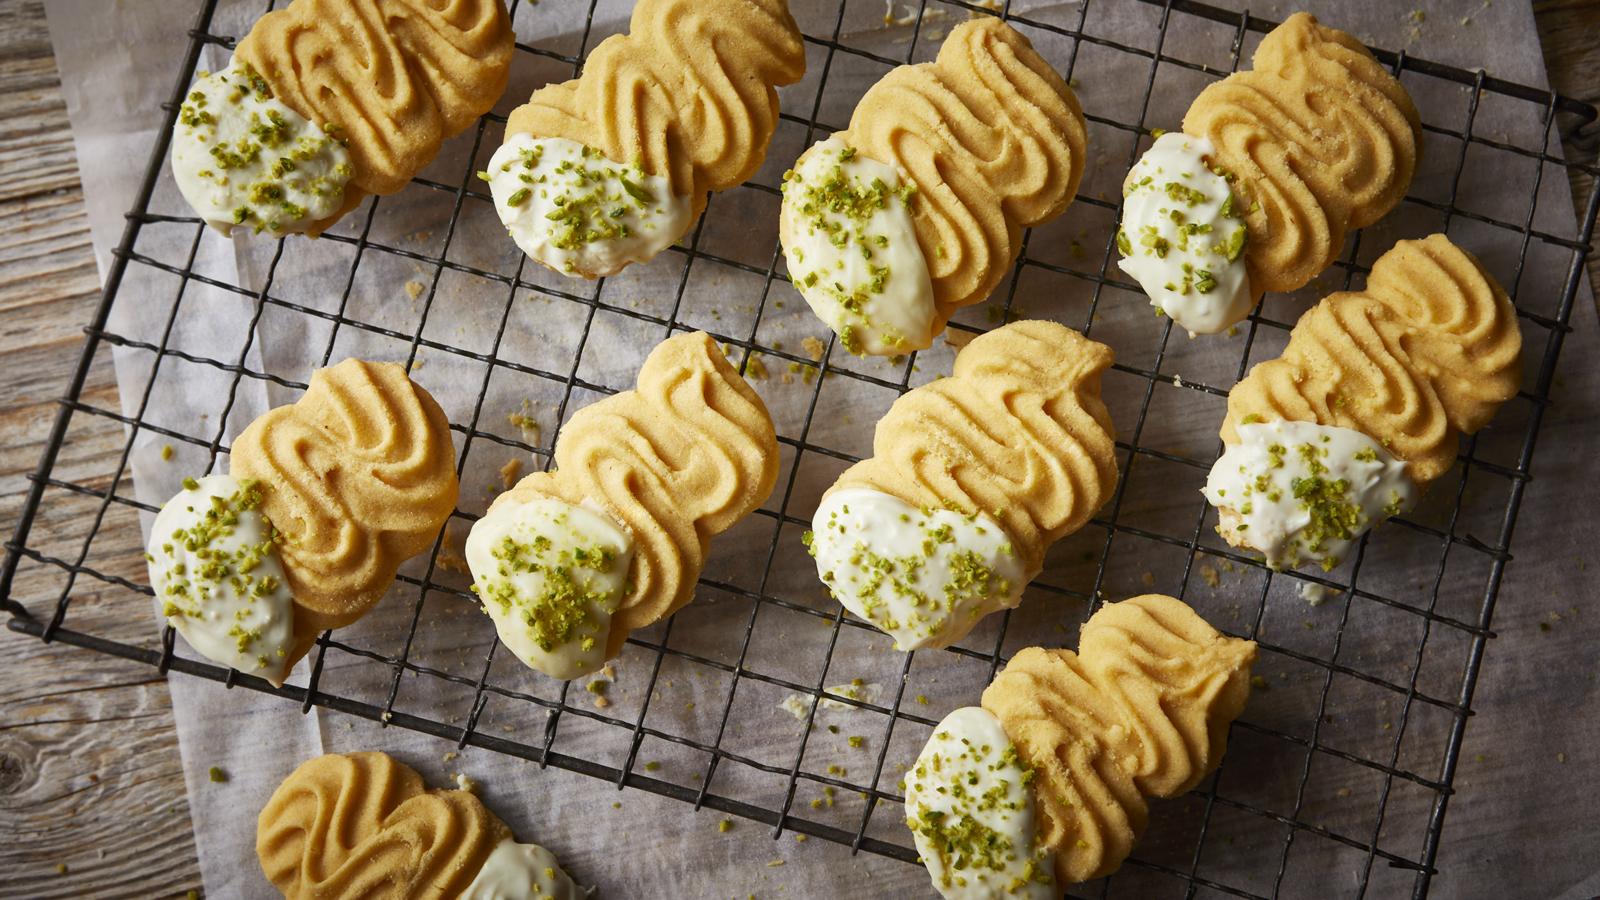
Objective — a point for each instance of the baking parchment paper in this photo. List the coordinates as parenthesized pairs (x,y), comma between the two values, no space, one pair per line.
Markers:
(118,61)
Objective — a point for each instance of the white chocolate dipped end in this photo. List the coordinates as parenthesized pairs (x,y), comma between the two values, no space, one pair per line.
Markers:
(574,211)
(1301,493)
(243,159)
(217,577)
(550,574)
(516,871)
(852,250)
(924,577)
(1182,236)
(971,813)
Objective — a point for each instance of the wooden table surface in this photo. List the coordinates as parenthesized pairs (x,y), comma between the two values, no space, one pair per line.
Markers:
(92,799)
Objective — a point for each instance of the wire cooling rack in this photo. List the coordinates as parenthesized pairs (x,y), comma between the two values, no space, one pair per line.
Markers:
(1301,786)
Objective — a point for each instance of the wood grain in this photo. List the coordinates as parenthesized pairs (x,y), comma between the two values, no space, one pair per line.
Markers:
(90,776)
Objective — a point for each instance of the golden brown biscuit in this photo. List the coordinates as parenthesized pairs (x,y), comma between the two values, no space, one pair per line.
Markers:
(1318,139)
(993,464)
(1427,352)
(1366,405)
(397,76)
(663,469)
(1141,710)
(689,93)
(986,140)
(359,476)
(363,825)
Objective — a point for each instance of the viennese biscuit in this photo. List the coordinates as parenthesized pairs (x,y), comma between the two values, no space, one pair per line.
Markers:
(612,167)
(1045,784)
(1364,408)
(364,825)
(328,101)
(324,499)
(917,209)
(1274,166)
(972,478)
(613,538)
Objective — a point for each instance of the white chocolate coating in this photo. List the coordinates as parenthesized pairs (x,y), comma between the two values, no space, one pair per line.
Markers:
(243,159)
(550,574)
(522,872)
(218,579)
(925,577)
(1182,238)
(578,213)
(972,815)
(1299,492)
(852,250)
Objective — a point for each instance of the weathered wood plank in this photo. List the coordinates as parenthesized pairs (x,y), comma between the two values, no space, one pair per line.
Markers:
(90,776)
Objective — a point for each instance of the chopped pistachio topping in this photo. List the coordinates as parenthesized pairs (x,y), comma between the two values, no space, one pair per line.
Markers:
(923,576)
(241,157)
(970,808)
(1181,237)
(1301,492)
(550,574)
(575,210)
(217,577)
(563,604)
(852,252)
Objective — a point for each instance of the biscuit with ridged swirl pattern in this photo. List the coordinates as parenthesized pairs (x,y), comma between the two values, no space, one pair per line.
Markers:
(994,141)
(1320,139)
(1142,709)
(1428,351)
(359,476)
(397,77)
(689,93)
(679,459)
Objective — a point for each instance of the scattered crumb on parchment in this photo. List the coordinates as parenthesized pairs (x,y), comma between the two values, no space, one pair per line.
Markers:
(450,558)
(510,472)
(414,289)
(524,421)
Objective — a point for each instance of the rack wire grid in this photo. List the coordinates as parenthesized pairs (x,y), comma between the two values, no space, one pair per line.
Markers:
(1347,755)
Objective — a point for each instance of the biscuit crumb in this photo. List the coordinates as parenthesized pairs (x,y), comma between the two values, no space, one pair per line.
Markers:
(450,755)
(1209,575)
(524,421)
(814,348)
(414,289)
(510,472)
(958,338)
(450,557)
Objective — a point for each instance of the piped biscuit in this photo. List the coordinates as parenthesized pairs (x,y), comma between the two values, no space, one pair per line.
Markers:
(612,539)
(1275,165)
(972,478)
(1366,405)
(326,102)
(613,166)
(960,155)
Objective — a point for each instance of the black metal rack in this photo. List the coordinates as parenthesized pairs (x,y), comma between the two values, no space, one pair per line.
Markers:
(1189,870)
